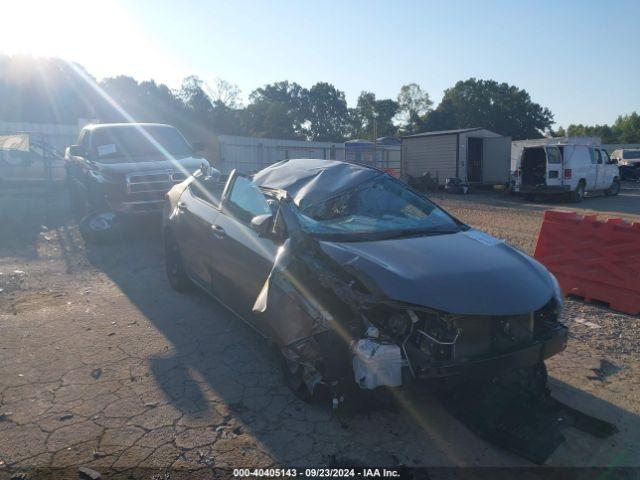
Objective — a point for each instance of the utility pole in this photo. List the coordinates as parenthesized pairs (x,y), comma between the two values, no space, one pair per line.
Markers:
(375,139)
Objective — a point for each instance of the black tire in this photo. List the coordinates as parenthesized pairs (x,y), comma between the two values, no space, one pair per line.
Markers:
(614,189)
(102,227)
(578,194)
(174,266)
(292,373)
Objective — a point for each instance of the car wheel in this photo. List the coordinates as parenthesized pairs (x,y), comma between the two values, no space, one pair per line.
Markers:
(102,227)
(578,194)
(293,377)
(174,267)
(614,189)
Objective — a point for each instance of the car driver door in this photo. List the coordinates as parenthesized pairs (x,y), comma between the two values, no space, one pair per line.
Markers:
(242,259)
(197,211)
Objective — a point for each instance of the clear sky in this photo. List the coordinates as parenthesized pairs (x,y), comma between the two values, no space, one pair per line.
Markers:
(579,58)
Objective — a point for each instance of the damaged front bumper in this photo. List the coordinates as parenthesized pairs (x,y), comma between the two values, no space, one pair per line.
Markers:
(449,373)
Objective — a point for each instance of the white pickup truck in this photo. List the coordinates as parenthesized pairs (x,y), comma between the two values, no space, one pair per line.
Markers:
(562,166)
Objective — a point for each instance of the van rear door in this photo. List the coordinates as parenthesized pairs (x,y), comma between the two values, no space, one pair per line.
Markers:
(554,166)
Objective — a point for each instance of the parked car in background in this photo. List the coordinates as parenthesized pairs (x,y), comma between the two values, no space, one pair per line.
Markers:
(628,159)
(125,169)
(547,167)
(360,281)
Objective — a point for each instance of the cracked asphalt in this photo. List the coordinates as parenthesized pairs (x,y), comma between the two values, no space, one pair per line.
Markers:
(102,365)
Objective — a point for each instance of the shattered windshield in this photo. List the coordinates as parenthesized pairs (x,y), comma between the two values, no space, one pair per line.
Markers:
(382,206)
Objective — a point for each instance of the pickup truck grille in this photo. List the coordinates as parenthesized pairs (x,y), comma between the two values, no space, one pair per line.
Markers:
(149,182)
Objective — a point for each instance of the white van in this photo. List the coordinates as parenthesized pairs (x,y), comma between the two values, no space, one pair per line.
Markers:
(562,166)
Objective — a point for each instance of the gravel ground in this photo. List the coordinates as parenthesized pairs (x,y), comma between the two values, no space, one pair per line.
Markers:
(102,365)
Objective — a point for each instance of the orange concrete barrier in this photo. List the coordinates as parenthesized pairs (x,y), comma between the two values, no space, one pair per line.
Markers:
(596,260)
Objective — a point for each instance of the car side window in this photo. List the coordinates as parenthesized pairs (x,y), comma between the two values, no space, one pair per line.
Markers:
(605,156)
(598,157)
(208,189)
(245,200)
(592,155)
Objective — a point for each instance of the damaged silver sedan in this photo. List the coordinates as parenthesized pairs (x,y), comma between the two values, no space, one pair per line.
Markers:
(359,280)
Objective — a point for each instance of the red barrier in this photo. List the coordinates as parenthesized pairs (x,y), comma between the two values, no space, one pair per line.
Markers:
(594,259)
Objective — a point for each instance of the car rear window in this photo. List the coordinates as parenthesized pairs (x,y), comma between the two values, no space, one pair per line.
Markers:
(631,155)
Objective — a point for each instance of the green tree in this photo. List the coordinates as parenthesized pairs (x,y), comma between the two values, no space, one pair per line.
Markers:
(626,129)
(326,113)
(277,110)
(502,108)
(413,105)
(370,110)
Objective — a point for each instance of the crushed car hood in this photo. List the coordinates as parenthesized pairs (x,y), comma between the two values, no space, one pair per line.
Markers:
(467,273)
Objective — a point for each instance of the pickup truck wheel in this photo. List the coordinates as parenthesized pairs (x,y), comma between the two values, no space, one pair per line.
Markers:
(578,194)
(174,267)
(102,227)
(614,189)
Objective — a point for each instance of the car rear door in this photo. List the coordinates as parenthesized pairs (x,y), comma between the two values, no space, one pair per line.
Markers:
(241,259)
(554,167)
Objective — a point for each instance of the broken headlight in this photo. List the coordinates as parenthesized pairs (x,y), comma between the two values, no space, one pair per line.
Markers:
(437,336)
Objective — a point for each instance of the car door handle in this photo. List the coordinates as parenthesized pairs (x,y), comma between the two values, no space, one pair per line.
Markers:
(218,231)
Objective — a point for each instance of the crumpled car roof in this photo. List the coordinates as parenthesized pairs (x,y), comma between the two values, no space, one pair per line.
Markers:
(310,181)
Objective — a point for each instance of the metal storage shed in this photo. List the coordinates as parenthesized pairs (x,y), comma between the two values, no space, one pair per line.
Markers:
(475,155)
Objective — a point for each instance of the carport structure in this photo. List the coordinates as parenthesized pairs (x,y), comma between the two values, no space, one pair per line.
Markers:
(475,155)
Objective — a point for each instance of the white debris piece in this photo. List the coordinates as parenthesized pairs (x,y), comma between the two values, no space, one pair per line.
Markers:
(589,324)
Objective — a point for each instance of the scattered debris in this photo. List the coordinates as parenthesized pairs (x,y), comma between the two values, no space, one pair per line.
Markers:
(605,370)
(18,272)
(589,324)
(98,454)
(85,473)
(225,431)
(4,416)
(151,404)
(111,334)
(66,416)
(96,373)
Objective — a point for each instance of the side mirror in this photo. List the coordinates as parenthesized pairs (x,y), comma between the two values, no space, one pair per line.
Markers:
(75,150)
(263,225)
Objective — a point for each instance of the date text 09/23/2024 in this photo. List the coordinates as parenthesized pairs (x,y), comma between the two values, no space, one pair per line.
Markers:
(316,473)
